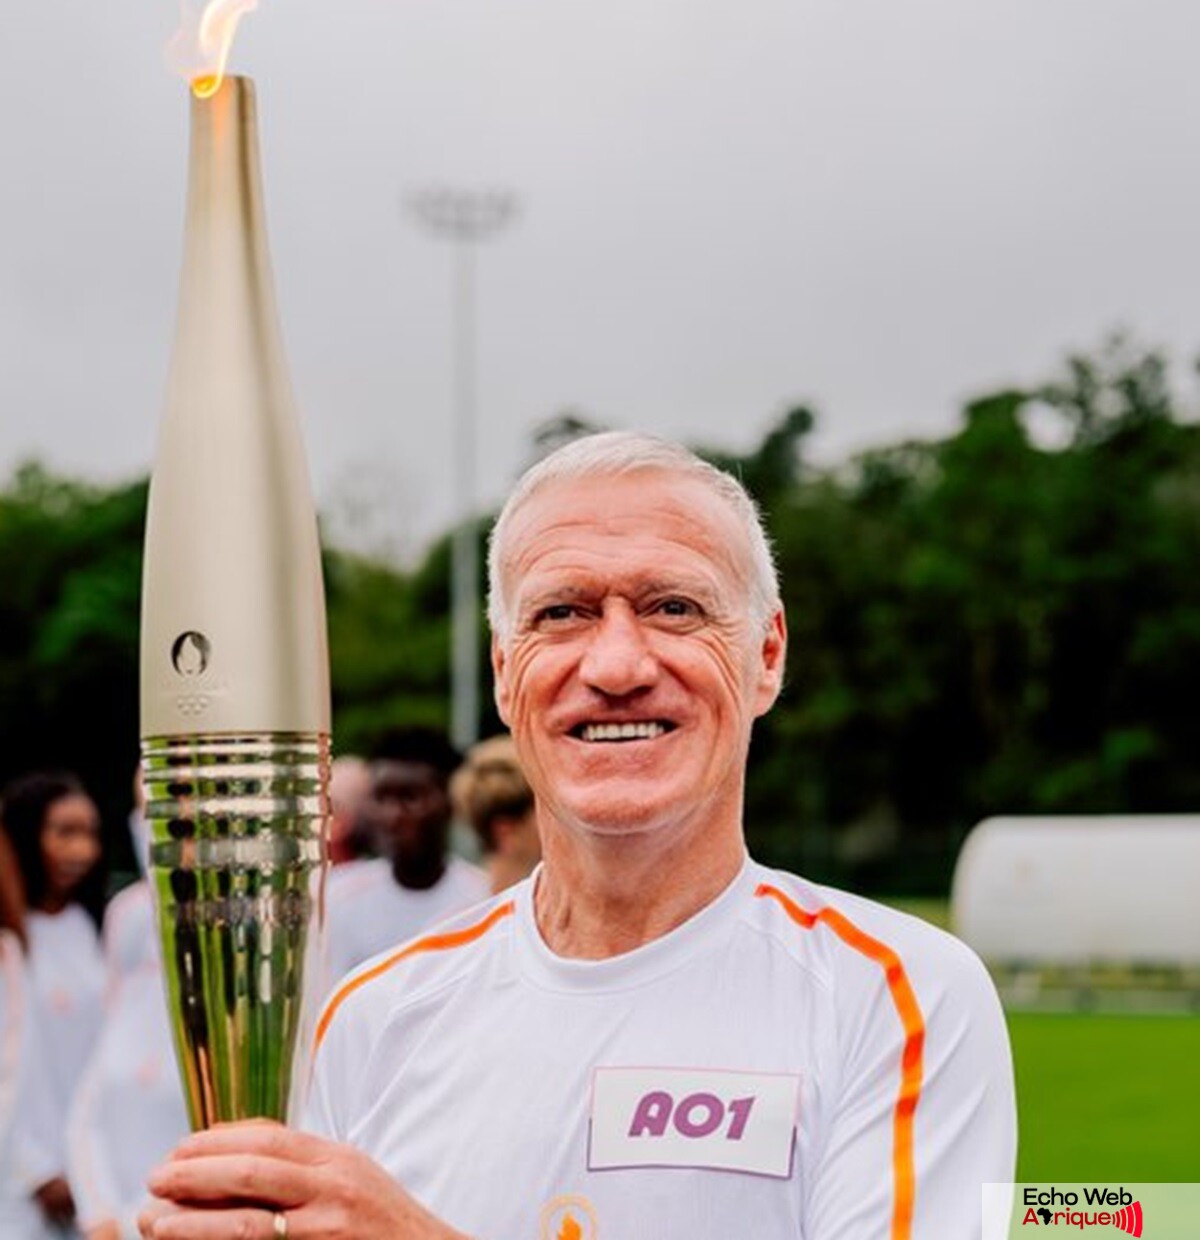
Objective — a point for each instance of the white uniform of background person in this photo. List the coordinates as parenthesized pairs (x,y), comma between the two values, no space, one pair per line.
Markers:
(27,1157)
(370,912)
(67,970)
(748,1076)
(13,1032)
(129,1110)
(653,1039)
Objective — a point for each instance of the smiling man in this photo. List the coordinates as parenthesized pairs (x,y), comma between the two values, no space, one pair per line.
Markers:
(653,1038)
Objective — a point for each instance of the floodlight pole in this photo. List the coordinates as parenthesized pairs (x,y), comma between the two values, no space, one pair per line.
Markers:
(465,218)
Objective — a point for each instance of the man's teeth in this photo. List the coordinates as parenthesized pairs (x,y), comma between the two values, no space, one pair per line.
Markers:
(622,731)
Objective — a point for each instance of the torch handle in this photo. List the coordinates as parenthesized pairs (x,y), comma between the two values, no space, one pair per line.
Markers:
(238,841)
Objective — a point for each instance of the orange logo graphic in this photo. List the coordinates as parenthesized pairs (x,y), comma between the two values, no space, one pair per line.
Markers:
(569,1217)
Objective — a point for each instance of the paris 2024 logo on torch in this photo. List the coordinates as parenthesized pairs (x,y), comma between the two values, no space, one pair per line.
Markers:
(190,653)
(1094,1207)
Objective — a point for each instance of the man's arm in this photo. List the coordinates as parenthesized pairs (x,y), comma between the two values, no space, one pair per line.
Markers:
(886,1175)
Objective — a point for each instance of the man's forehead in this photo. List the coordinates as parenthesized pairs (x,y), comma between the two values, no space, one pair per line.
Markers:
(653,502)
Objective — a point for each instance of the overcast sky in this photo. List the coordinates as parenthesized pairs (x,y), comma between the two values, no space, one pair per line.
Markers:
(880,207)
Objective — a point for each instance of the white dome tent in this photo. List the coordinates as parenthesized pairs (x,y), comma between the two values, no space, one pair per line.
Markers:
(1084,896)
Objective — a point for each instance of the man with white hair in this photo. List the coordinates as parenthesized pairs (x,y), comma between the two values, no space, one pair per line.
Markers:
(654,1037)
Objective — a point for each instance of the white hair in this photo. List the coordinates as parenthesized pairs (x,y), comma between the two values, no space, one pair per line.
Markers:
(615,453)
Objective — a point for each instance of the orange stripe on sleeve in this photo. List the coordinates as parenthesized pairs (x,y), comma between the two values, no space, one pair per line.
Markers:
(912,1060)
(431,943)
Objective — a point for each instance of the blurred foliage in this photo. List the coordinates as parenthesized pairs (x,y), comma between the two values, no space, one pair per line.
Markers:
(979,624)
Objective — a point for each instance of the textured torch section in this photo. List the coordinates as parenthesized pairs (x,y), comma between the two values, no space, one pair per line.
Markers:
(236,853)
(234,666)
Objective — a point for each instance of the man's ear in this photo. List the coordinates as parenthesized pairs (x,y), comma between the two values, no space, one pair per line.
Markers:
(500,680)
(772,661)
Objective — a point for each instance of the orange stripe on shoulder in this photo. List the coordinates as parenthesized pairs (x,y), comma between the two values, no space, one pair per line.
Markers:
(912,1060)
(431,943)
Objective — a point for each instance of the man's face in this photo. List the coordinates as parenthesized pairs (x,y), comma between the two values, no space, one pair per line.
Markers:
(633,670)
(409,811)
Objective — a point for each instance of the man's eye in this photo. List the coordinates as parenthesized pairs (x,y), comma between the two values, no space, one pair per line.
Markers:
(677,607)
(556,612)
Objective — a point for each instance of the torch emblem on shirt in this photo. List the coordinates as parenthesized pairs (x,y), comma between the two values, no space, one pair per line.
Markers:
(568,1218)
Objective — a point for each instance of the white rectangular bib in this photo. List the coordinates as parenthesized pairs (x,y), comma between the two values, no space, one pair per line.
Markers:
(689,1117)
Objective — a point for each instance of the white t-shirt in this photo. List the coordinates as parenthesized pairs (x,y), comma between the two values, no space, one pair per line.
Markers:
(370,912)
(793,1063)
(27,1119)
(130,935)
(66,969)
(129,1111)
(13,1040)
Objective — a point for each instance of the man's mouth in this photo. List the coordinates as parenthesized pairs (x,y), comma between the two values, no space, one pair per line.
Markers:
(641,730)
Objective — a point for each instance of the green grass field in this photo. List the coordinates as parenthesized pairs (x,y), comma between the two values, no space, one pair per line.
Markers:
(1107,1097)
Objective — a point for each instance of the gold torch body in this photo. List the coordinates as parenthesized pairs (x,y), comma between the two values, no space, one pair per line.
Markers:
(235,705)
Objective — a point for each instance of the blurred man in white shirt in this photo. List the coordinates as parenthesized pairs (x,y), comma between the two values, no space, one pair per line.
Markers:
(415,881)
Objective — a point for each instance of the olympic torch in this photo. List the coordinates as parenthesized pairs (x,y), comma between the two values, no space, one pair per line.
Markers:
(235,702)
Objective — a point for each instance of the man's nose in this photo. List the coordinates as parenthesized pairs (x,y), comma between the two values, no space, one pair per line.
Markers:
(618,659)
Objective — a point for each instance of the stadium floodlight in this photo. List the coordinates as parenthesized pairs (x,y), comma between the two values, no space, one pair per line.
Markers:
(465,218)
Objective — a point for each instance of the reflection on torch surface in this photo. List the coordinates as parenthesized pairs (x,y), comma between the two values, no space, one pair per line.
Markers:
(234,679)
(237,825)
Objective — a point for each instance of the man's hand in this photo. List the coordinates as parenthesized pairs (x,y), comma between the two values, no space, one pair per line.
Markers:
(232,1180)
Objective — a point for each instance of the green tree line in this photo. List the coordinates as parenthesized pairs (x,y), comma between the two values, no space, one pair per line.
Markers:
(979,624)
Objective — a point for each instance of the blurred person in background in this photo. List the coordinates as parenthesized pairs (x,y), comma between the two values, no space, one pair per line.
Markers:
(490,792)
(19,1215)
(129,934)
(28,1121)
(55,831)
(415,881)
(128,1111)
(349,795)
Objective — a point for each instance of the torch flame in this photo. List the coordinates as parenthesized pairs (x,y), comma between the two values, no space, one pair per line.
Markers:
(570,1230)
(200,49)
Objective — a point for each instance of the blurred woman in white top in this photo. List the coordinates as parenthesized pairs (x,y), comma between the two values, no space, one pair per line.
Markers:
(55,831)
(26,1125)
(129,1111)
